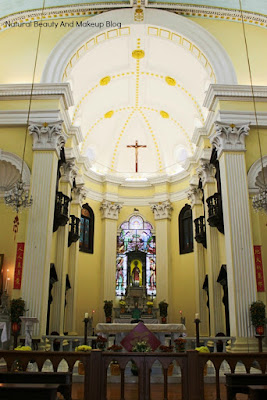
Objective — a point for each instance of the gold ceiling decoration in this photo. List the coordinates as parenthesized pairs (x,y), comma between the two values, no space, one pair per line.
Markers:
(164,114)
(170,81)
(109,114)
(138,54)
(104,81)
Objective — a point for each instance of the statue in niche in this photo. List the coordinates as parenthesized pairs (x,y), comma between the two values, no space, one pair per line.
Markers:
(136,274)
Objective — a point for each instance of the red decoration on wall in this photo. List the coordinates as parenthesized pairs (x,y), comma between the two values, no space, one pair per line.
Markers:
(259,269)
(18,265)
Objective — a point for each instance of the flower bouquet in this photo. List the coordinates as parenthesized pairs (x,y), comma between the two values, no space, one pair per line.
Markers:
(142,347)
(101,342)
(180,345)
(115,347)
(85,349)
(166,349)
(23,348)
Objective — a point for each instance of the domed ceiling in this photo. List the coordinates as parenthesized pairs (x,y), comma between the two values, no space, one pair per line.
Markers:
(144,88)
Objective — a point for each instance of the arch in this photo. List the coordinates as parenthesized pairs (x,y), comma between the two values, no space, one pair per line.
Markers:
(253,174)
(185,230)
(87,229)
(11,172)
(215,53)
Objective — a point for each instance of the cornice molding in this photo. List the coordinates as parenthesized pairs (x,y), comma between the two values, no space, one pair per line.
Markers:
(20,117)
(217,92)
(21,91)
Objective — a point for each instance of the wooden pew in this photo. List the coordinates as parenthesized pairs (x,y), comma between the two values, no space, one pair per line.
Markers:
(62,379)
(26,391)
(239,383)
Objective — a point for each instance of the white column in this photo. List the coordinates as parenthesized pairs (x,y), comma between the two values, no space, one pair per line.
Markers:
(110,213)
(47,141)
(162,214)
(78,195)
(230,144)
(217,324)
(195,196)
(68,172)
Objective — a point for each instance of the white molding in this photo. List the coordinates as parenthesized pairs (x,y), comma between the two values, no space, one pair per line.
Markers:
(21,91)
(20,117)
(241,117)
(253,173)
(213,50)
(217,92)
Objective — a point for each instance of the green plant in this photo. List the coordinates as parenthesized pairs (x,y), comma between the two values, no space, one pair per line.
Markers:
(17,309)
(257,313)
(108,306)
(142,347)
(163,308)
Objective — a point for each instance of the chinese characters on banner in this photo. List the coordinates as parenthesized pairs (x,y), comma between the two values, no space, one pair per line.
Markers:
(259,269)
(18,265)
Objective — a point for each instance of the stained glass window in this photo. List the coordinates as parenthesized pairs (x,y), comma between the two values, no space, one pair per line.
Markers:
(186,230)
(87,229)
(136,235)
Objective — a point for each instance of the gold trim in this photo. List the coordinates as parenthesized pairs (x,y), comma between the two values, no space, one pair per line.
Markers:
(138,54)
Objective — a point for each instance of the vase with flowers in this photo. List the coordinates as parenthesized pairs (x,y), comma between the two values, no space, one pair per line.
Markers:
(84,349)
(17,309)
(163,311)
(108,307)
(167,349)
(142,347)
(180,344)
(149,307)
(101,342)
(257,316)
(122,306)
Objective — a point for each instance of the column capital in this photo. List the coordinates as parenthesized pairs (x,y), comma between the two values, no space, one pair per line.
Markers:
(229,137)
(195,195)
(78,195)
(162,210)
(206,172)
(68,171)
(110,209)
(47,136)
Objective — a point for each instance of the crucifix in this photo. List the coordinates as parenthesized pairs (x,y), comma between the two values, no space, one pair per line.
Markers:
(136,146)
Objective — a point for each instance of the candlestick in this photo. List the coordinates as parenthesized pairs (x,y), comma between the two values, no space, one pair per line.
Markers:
(86,320)
(197,322)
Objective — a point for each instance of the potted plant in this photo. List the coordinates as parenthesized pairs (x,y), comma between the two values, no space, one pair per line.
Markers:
(163,311)
(101,342)
(17,309)
(149,307)
(114,365)
(142,347)
(85,349)
(257,316)
(180,345)
(122,306)
(108,306)
(167,349)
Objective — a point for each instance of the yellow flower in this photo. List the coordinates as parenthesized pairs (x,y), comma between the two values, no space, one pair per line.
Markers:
(202,349)
(83,348)
(149,303)
(23,348)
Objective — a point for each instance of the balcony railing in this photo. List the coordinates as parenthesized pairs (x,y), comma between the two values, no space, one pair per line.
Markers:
(200,230)
(215,212)
(74,233)
(61,215)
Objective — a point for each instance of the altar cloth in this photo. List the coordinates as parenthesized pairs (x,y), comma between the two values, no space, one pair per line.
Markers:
(157,328)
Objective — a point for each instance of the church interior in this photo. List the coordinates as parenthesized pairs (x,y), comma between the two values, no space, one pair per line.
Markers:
(133,163)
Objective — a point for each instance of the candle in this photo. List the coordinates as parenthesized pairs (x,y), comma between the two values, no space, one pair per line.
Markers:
(196,316)
(181,312)
(86,315)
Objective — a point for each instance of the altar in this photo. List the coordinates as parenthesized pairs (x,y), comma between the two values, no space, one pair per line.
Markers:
(160,330)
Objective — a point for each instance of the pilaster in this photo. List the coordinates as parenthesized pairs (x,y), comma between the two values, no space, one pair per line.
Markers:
(35,279)
(206,172)
(229,141)
(162,214)
(78,196)
(195,196)
(110,213)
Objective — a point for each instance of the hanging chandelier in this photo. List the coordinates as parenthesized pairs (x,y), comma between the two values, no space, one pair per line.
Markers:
(259,201)
(18,197)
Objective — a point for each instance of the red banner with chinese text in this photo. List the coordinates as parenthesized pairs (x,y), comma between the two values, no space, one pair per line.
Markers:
(259,269)
(18,265)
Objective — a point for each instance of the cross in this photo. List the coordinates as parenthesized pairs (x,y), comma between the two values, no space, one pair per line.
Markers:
(136,146)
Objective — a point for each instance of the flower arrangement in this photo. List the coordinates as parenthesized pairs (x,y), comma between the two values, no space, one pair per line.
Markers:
(83,348)
(202,349)
(149,303)
(257,313)
(115,347)
(23,348)
(180,344)
(163,308)
(122,303)
(101,342)
(142,347)
(108,305)
(166,349)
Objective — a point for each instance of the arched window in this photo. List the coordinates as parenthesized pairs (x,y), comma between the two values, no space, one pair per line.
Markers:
(87,229)
(186,230)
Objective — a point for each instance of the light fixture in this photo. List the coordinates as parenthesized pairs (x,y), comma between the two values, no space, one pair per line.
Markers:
(18,197)
(259,201)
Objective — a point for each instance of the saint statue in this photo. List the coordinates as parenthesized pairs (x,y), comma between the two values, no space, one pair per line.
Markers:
(136,274)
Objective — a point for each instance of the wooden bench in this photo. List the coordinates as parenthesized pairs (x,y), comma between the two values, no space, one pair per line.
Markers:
(26,391)
(239,383)
(62,379)
(258,392)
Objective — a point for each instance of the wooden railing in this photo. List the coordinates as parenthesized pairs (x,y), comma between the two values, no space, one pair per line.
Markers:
(96,365)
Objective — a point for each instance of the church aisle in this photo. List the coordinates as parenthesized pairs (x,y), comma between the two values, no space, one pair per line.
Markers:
(131,392)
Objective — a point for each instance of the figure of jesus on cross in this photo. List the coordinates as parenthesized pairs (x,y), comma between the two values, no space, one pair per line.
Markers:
(136,146)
